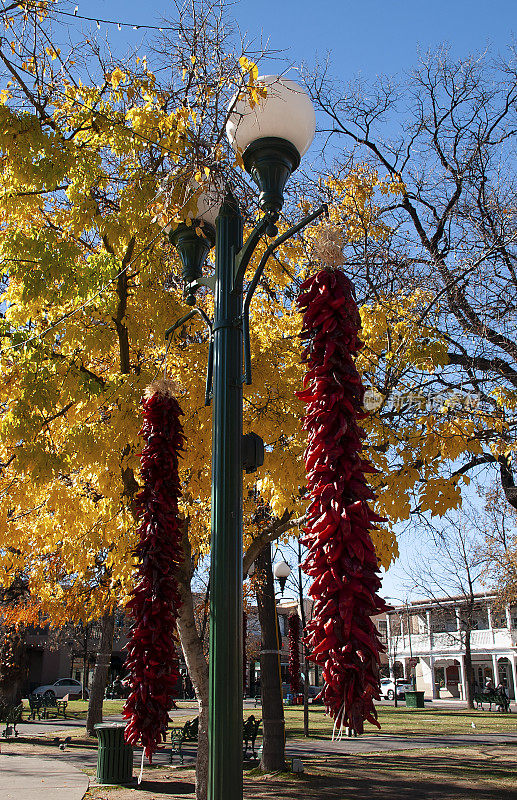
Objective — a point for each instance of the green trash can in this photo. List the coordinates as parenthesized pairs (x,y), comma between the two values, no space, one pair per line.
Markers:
(415,700)
(114,755)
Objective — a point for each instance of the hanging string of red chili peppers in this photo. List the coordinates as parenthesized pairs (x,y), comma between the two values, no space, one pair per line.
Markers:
(294,653)
(152,659)
(341,557)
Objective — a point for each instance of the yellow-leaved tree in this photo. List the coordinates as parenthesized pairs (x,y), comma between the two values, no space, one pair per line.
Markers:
(89,288)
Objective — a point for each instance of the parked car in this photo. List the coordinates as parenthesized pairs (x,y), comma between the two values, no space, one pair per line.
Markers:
(62,687)
(388,688)
(313,690)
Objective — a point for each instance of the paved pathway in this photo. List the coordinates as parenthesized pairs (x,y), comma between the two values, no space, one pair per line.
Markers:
(301,748)
(58,776)
(29,778)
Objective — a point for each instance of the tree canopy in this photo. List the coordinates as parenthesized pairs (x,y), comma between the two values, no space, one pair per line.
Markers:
(90,287)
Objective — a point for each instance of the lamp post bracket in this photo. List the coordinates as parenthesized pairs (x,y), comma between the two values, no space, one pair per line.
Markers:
(206,319)
(243,257)
(323,209)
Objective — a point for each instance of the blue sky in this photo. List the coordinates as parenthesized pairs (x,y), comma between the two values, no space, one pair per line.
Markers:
(367,39)
(371,37)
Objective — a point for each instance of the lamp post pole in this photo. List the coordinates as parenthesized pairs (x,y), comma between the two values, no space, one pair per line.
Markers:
(225,709)
(272,138)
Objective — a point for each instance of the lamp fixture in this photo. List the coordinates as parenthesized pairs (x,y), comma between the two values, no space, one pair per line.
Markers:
(272,135)
(281,571)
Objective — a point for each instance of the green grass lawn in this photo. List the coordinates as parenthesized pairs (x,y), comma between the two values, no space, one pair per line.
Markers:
(78,708)
(400,721)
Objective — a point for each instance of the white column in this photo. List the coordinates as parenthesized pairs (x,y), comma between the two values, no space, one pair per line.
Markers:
(508,618)
(436,695)
(429,631)
(463,677)
(513,662)
(402,631)
(490,625)
(495,670)
(458,620)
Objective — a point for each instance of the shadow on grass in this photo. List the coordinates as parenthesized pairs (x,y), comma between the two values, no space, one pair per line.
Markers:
(396,778)
(170,787)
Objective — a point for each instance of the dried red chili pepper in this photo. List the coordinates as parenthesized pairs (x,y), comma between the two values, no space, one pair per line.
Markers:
(152,659)
(341,556)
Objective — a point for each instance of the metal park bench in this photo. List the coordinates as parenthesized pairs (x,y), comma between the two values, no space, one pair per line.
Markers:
(189,733)
(50,704)
(250,730)
(36,706)
(10,715)
(493,697)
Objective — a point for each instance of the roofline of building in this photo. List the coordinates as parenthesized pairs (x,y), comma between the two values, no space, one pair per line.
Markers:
(442,601)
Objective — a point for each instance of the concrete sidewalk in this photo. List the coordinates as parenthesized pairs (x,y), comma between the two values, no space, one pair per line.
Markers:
(35,778)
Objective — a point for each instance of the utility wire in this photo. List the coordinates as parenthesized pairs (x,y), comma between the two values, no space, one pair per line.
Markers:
(75,15)
(110,21)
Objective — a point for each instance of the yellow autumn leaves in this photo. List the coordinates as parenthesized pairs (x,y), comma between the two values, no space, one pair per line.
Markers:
(77,201)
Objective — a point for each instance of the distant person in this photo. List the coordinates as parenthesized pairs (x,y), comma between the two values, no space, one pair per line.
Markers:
(489,685)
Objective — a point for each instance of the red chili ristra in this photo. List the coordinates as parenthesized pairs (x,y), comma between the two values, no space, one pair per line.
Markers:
(152,659)
(341,557)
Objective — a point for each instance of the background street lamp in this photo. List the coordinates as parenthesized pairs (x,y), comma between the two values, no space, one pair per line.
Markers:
(281,571)
(271,136)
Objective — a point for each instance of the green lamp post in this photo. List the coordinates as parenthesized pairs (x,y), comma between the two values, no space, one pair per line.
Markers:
(271,137)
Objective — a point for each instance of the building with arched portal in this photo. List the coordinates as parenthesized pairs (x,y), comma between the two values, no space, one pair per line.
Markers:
(426,641)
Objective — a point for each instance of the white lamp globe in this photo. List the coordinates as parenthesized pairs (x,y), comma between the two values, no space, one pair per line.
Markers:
(286,112)
(281,570)
(207,206)
(272,136)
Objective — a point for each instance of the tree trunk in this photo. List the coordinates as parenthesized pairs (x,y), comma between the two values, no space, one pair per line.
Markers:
(100,673)
(273,746)
(393,675)
(305,695)
(13,666)
(197,666)
(86,664)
